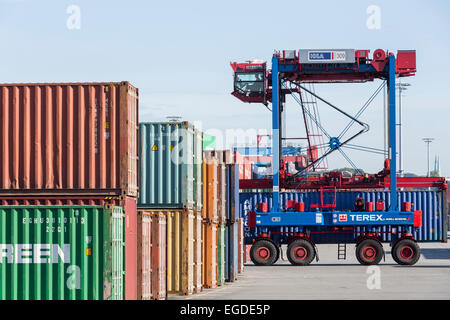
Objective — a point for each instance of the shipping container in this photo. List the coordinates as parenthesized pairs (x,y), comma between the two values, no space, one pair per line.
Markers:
(232,251)
(180,251)
(209,256)
(220,254)
(144,258)
(241,245)
(232,193)
(168,153)
(61,253)
(152,227)
(222,193)
(198,239)
(247,253)
(68,138)
(209,142)
(211,190)
(434,222)
(198,171)
(127,203)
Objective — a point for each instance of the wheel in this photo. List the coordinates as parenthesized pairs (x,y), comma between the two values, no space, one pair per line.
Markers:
(263,253)
(406,252)
(278,253)
(300,252)
(369,251)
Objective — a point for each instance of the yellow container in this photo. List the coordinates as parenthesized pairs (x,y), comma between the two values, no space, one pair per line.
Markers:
(180,251)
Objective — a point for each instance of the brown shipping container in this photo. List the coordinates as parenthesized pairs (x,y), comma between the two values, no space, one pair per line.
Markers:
(222,196)
(129,205)
(69,137)
(209,255)
(211,188)
(152,227)
(198,240)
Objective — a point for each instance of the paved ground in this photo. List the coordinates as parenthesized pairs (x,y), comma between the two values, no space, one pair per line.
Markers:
(333,279)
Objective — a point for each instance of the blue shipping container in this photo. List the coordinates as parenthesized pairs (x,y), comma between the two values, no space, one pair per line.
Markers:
(232,196)
(231,252)
(432,203)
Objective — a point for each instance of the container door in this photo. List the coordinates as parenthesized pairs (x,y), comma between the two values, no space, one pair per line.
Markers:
(118,256)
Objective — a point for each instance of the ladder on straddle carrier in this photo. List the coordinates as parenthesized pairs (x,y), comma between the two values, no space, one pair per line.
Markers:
(342,251)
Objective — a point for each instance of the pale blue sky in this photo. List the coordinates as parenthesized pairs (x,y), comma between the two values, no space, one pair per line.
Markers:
(178,52)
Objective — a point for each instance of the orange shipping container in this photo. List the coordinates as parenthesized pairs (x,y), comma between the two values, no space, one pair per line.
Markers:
(210,187)
(209,255)
(69,137)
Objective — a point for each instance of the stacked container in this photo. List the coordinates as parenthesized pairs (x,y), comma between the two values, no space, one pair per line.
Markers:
(71,144)
(171,184)
(228,227)
(210,214)
(152,255)
(61,253)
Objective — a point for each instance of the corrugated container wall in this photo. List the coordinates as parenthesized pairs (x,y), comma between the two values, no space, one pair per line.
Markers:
(151,260)
(69,137)
(231,251)
(211,190)
(222,193)
(209,256)
(434,222)
(232,197)
(241,246)
(61,253)
(220,254)
(198,242)
(180,251)
(168,153)
(130,211)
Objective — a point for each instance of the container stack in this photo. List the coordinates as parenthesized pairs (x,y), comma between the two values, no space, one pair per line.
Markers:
(229,243)
(68,186)
(210,223)
(171,185)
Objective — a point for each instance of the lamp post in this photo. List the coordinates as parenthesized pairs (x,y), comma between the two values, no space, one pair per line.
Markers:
(428,141)
(401,87)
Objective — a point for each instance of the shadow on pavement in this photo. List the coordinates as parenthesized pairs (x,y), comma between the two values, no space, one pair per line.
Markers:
(436,253)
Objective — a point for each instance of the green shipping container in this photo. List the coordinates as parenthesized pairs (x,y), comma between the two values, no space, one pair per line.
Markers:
(220,254)
(209,142)
(169,153)
(61,253)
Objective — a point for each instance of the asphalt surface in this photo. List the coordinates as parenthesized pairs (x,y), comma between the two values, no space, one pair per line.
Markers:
(334,279)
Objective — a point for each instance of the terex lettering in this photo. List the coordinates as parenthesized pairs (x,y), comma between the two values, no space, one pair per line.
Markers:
(366,217)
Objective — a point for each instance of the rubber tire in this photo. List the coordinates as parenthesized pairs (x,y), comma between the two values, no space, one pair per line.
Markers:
(311,253)
(270,246)
(372,243)
(396,252)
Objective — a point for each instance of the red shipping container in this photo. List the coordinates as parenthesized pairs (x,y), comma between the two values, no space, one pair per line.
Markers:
(151,259)
(69,137)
